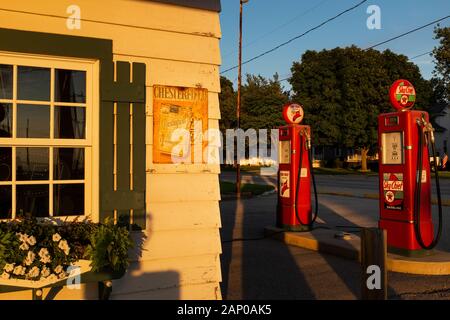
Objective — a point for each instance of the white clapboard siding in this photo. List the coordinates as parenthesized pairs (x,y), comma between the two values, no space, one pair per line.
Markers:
(163,273)
(177,244)
(205,291)
(143,14)
(164,216)
(127,40)
(167,72)
(183,187)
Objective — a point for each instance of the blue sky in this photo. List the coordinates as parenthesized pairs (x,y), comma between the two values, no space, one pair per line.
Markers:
(268,23)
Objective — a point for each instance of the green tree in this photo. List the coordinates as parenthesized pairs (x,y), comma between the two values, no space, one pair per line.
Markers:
(227,102)
(343,91)
(442,68)
(262,102)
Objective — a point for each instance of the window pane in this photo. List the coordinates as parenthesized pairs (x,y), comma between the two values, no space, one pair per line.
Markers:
(68,163)
(70,122)
(68,199)
(70,86)
(32,200)
(5,202)
(5,120)
(33,121)
(32,163)
(6,81)
(33,83)
(5,164)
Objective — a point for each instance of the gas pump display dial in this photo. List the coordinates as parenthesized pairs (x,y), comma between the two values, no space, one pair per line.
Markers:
(392,147)
(285,152)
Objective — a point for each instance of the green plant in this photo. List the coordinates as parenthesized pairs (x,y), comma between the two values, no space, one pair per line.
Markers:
(41,250)
(108,248)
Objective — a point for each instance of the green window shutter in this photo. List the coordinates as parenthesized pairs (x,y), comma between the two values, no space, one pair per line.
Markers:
(129,197)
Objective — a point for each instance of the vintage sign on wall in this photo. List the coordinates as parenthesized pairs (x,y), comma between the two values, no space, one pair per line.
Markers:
(180,118)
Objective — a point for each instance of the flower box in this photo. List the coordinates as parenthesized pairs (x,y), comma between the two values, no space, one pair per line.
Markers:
(84,265)
(36,255)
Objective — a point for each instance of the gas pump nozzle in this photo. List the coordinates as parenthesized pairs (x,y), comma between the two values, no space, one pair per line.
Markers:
(308,138)
(427,128)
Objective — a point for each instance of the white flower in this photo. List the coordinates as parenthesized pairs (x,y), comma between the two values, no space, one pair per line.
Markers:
(24,246)
(44,255)
(59,269)
(63,245)
(19,271)
(9,267)
(45,272)
(31,240)
(34,272)
(29,259)
(22,237)
(56,237)
(5,275)
(43,252)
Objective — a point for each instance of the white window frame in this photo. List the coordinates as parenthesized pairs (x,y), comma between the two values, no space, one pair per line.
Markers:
(90,143)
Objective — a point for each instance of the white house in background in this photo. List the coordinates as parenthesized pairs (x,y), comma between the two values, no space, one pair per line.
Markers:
(440,117)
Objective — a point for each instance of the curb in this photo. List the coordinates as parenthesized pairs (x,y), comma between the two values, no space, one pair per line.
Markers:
(374,196)
(325,241)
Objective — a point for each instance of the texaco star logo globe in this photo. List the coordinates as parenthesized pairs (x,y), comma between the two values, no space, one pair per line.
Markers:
(402,95)
(293,113)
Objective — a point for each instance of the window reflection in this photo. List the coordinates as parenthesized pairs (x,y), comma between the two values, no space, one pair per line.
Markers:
(68,163)
(70,86)
(32,163)
(68,199)
(33,121)
(32,200)
(33,83)
(5,164)
(6,81)
(5,202)
(5,120)
(70,122)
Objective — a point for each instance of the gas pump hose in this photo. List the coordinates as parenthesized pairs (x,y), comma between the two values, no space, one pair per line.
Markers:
(297,187)
(418,191)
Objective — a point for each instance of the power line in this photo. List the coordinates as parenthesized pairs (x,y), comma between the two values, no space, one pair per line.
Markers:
(408,32)
(400,36)
(297,37)
(421,55)
(302,14)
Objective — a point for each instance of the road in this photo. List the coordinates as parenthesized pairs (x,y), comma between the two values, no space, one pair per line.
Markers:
(355,184)
(269,269)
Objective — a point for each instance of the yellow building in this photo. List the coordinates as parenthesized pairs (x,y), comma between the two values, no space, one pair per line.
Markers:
(83,133)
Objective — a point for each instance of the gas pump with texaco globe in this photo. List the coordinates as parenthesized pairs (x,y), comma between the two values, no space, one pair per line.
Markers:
(404,138)
(294,210)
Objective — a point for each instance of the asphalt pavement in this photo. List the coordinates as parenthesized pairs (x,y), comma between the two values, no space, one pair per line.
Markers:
(255,268)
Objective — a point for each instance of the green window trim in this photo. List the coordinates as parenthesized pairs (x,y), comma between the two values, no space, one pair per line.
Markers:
(123,93)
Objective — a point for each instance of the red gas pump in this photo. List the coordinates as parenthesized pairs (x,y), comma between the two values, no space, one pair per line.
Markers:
(404,174)
(295,173)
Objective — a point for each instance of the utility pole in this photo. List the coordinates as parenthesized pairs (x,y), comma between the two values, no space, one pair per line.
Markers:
(238,107)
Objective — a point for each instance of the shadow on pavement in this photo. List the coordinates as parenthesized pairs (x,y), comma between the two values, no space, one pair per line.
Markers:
(257,269)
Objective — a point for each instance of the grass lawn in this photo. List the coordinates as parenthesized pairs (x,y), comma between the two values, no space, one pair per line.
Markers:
(443,174)
(243,168)
(340,171)
(254,189)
